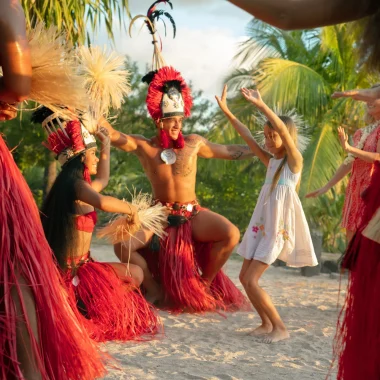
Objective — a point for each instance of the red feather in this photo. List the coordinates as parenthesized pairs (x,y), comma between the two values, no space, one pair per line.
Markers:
(155,91)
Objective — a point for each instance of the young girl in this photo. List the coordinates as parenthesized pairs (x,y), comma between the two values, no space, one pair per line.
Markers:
(360,162)
(278,227)
(106,293)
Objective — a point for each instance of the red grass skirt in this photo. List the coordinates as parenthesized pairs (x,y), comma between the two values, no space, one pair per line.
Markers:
(357,342)
(114,310)
(177,267)
(64,350)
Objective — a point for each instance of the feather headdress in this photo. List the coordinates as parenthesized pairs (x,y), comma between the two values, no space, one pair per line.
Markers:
(55,82)
(105,79)
(168,93)
(303,137)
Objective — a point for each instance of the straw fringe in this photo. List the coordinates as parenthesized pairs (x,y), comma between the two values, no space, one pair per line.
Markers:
(55,82)
(152,218)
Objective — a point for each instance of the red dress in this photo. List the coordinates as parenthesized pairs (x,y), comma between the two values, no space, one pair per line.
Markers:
(357,340)
(360,179)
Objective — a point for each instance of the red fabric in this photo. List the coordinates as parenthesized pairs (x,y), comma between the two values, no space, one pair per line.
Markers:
(86,222)
(358,334)
(64,351)
(115,310)
(359,181)
(155,91)
(177,267)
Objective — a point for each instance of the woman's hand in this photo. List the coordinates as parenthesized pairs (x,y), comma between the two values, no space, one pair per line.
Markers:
(364,95)
(343,139)
(134,216)
(317,193)
(103,136)
(7,111)
(253,96)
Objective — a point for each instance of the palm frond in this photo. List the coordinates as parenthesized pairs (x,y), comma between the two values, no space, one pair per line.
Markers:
(289,84)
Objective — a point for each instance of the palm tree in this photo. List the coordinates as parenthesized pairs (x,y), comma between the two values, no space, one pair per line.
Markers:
(76,17)
(300,70)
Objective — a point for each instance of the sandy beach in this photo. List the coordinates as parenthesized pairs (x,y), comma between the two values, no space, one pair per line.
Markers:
(212,346)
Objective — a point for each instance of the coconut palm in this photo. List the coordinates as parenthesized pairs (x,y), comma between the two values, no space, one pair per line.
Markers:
(300,70)
(77,17)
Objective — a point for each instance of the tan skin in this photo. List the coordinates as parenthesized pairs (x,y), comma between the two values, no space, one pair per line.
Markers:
(373,110)
(89,199)
(278,143)
(307,14)
(14,56)
(176,183)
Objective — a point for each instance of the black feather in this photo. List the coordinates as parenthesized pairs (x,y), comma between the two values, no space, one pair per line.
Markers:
(171,19)
(172,83)
(148,77)
(40,114)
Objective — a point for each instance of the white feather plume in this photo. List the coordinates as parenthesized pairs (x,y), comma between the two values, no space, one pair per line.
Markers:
(105,80)
(55,82)
(303,134)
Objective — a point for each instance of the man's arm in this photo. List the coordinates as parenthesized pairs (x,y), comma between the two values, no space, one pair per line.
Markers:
(120,140)
(224,152)
(306,14)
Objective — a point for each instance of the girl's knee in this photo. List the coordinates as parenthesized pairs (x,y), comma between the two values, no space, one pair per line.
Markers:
(251,284)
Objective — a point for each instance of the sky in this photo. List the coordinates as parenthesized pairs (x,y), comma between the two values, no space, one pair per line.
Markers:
(208,34)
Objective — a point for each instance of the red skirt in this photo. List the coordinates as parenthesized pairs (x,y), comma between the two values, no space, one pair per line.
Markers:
(177,267)
(64,350)
(357,343)
(112,309)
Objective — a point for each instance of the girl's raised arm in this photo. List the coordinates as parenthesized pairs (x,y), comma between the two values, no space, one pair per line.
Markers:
(294,156)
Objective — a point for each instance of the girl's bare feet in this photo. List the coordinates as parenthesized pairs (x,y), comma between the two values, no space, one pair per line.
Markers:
(276,335)
(261,330)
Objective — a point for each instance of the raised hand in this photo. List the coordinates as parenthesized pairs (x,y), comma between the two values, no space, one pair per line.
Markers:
(252,96)
(364,95)
(103,135)
(222,101)
(343,139)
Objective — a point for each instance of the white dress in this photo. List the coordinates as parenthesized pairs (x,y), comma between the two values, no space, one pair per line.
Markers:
(278,227)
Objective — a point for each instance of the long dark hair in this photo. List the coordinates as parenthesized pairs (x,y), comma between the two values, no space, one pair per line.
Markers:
(58,210)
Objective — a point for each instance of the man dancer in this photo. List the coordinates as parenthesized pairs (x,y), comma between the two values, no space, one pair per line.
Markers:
(169,160)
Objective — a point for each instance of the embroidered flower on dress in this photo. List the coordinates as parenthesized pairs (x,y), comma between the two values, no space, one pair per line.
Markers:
(259,227)
(283,232)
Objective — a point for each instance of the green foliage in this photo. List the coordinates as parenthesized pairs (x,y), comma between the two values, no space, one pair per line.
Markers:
(77,16)
(301,69)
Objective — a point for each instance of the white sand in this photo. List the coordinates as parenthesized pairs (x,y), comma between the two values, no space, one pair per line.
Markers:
(212,347)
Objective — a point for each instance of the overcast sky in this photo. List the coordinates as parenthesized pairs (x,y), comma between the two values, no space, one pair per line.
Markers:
(208,32)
